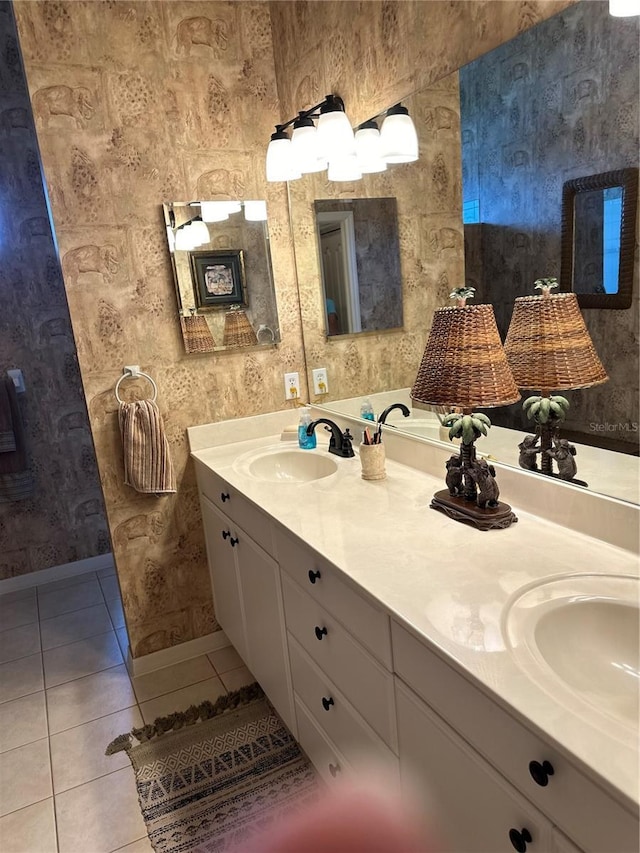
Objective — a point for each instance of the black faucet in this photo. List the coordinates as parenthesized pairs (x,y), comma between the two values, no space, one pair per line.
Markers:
(340,442)
(383,416)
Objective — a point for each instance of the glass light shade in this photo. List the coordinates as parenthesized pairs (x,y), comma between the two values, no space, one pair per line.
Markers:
(184,240)
(369,150)
(214,211)
(399,139)
(280,165)
(344,169)
(199,232)
(335,135)
(624,8)
(171,239)
(255,211)
(305,150)
(231,206)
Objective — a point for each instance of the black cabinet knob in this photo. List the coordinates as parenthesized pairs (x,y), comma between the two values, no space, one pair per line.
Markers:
(540,772)
(321,632)
(314,576)
(327,703)
(519,840)
(225,496)
(334,769)
(226,534)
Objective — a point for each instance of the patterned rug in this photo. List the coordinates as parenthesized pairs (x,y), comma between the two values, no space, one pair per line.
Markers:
(213,777)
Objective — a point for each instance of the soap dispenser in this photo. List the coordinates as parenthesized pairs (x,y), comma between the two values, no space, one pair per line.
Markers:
(306,442)
(366,410)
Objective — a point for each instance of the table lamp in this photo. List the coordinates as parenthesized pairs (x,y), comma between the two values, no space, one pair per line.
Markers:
(463,367)
(549,349)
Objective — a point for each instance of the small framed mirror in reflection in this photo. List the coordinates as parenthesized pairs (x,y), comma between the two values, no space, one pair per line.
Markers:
(598,238)
(221,260)
(359,252)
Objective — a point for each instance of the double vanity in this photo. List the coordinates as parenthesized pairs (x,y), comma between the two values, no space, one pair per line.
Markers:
(494,675)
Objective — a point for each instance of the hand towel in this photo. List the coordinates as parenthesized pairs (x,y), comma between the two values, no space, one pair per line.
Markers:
(147,461)
(16,480)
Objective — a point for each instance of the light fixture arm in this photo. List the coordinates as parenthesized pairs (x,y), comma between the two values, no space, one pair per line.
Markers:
(313,112)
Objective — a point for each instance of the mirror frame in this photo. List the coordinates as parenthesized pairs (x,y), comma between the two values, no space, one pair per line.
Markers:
(628,180)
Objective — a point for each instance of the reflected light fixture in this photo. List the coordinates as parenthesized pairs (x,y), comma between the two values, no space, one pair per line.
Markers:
(214,211)
(369,148)
(398,136)
(624,8)
(255,210)
(199,232)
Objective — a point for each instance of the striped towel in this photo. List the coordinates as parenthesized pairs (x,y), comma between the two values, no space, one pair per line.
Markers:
(147,462)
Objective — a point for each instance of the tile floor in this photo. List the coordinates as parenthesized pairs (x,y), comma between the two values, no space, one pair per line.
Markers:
(64,694)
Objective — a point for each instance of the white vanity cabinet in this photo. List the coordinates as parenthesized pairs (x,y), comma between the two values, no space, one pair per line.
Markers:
(246,590)
(340,653)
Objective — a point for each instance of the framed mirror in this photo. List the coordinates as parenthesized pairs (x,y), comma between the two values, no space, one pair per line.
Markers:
(598,238)
(221,261)
(359,256)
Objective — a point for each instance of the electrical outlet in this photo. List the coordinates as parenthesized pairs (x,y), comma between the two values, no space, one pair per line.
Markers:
(291,386)
(320,381)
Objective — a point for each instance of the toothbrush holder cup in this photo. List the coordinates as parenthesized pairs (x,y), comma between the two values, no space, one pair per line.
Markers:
(372,459)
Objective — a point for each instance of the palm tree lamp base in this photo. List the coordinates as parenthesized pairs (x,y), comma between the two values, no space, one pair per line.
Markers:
(484,518)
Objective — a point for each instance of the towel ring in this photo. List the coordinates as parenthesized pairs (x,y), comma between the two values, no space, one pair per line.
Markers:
(130,374)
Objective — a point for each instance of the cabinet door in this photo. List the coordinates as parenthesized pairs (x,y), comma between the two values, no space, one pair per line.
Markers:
(472,809)
(264,624)
(219,534)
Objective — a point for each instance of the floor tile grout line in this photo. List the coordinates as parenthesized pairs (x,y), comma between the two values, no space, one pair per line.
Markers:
(95,779)
(93,672)
(46,712)
(184,687)
(34,803)
(93,720)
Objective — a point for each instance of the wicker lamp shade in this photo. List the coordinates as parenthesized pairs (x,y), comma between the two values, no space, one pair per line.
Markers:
(464,364)
(196,334)
(548,345)
(238,331)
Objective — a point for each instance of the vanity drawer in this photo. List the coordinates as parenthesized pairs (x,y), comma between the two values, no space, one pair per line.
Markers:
(353,736)
(237,508)
(320,580)
(365,683)
(324,755)
(591,817)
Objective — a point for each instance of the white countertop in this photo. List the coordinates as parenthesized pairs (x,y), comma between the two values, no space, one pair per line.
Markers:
(448,583)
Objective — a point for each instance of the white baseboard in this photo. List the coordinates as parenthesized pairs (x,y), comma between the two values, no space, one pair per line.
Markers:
(176,654)
(55,573)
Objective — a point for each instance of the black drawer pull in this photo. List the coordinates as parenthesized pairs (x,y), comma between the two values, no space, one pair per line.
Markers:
(225,496)
(327,703)
(226,534)
(519,840)
(334,769)
(540,772)
(314,576)
(321,632)
(233,542)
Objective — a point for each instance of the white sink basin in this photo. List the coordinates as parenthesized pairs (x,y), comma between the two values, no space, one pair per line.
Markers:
(290,465)
(580,634)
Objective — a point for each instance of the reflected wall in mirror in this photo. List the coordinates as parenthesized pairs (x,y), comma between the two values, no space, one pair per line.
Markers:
(231,268)
(553,104)
(359,256)
(598,238)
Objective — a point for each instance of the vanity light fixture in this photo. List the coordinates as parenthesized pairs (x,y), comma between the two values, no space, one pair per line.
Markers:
(198,231)
(624,8)
(191,234)
(398,136)
(305,148)
(280,165)
(214,211)
(369,148)
(255,210)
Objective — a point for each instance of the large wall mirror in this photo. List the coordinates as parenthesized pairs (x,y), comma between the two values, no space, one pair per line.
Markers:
(500,137)
(222,273)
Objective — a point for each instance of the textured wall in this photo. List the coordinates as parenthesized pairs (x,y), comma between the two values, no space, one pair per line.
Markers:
(557,103)
(374,54)
(137,103)
(64,520)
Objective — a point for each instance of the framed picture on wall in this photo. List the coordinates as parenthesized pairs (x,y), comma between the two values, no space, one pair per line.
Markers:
(218,278)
